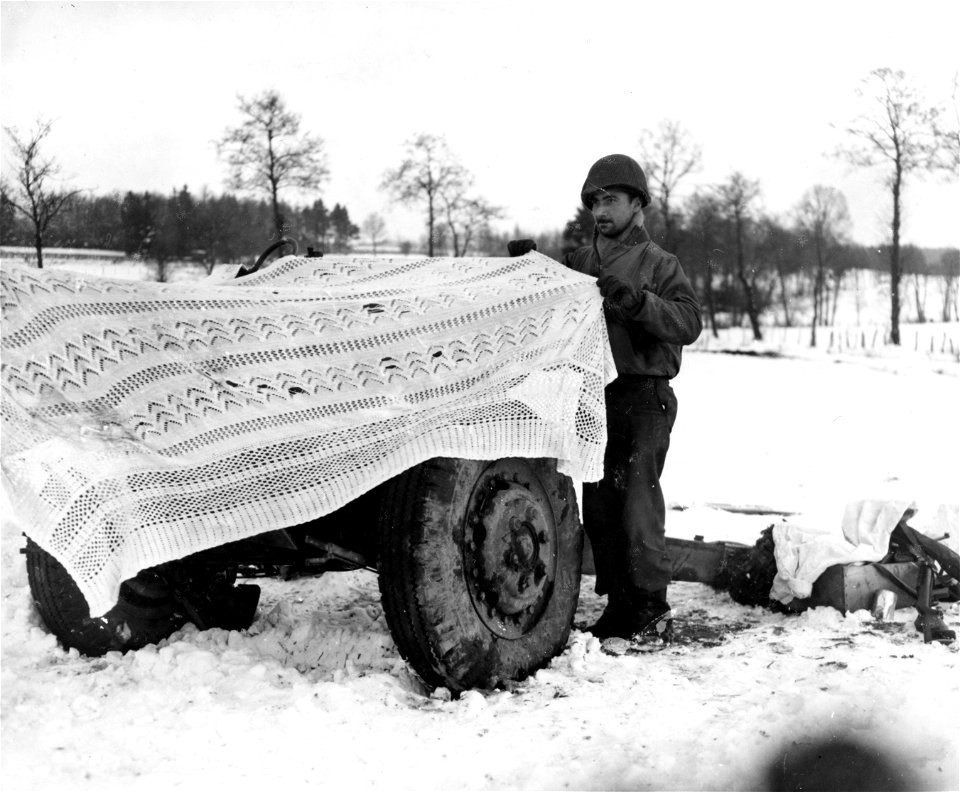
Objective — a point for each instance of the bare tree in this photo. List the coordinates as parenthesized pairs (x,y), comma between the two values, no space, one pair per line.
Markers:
(466,218)
(776,245)
(915,268)
(951,131)
(736,199)
(704,229)
(374,228)
(900,130)
(949,267)
(267,152)
(32,192)
(668,156)
(823,221)
(428,173)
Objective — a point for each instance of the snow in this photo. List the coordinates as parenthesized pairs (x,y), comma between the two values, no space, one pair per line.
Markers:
(315,695)
(804,435)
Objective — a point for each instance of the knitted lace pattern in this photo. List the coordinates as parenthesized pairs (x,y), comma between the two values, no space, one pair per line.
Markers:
(143,422)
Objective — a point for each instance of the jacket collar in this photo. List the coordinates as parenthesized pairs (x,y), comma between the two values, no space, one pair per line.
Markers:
(635,236)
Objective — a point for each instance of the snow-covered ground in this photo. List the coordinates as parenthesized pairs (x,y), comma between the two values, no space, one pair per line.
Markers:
(316,696)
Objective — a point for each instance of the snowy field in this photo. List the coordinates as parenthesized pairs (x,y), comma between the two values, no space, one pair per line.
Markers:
(315,696)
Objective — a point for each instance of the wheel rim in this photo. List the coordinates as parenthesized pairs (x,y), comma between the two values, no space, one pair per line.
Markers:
(509,548)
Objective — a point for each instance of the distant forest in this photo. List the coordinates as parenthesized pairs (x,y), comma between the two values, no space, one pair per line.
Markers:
(744,263)
(779,263)
(208,229)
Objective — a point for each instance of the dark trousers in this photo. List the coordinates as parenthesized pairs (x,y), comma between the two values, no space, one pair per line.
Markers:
(624,513)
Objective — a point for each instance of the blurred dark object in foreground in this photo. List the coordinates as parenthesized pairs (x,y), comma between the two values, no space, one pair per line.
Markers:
(839,763)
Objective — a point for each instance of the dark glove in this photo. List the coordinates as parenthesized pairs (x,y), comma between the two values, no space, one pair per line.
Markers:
(619,297)
(520,247)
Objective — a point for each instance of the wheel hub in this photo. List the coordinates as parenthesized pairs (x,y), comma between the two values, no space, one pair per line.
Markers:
(510,549)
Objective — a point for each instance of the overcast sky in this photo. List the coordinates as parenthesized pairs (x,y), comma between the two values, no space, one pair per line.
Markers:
(527,94)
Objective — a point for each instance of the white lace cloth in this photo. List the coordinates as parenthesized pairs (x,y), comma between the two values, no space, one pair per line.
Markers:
(143,421)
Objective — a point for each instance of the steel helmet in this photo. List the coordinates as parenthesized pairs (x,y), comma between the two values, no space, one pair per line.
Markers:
(615,170)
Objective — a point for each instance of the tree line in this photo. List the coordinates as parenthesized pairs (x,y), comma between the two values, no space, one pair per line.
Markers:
(745,263)
(741,258)
(208,229)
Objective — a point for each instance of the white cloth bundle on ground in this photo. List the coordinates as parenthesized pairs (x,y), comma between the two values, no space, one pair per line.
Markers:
(144,422)
(805,551)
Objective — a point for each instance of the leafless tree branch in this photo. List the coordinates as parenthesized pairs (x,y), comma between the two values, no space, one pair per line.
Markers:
(32,192)
(268,153)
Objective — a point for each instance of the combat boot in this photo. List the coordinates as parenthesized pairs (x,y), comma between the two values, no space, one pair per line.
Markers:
(650,616)
(613,622)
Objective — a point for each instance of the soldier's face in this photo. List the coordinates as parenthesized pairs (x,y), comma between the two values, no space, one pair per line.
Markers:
(614,211)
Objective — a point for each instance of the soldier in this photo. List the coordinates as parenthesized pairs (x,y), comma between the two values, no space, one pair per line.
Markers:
(651,312)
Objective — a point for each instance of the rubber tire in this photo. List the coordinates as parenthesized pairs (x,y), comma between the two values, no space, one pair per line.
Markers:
(749,572)
(145,613)
(425,595)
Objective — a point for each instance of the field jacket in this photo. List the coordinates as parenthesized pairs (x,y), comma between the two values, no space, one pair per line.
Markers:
(647,341)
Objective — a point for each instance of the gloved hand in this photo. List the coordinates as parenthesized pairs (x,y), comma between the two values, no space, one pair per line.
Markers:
(619,297)
(520,247)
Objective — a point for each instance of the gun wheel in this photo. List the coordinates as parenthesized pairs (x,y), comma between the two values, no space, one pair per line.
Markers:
(480,568)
